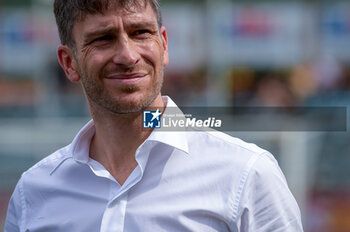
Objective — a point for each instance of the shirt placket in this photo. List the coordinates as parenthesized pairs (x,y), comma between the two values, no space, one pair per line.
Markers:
(114,215)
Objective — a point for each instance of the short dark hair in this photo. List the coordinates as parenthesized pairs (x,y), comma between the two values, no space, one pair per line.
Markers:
(68,12)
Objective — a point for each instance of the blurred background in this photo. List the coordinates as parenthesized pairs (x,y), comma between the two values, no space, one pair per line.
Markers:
(222,53)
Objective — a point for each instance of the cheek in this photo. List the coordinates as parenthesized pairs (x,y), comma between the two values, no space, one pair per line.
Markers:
(94,60)
(152,52)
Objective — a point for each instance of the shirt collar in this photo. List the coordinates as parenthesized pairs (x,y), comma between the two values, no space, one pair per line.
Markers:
(81,144)
(176,139)
(80,147)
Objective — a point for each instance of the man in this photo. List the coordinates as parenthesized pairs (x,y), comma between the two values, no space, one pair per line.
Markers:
(116,176)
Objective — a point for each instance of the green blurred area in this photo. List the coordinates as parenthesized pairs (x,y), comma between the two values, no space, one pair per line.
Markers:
(15,3)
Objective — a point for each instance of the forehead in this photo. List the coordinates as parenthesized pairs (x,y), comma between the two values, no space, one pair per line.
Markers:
(115,14)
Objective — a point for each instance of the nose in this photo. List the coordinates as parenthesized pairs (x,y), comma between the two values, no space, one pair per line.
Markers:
(125,52)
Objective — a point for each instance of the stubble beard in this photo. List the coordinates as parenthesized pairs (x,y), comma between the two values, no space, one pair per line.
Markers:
(97,95)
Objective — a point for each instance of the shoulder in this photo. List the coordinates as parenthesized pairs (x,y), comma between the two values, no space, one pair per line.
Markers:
(253,177)
(235,142)
(47,165)
(27,197)
(223,146)
(39,178)
(230,155)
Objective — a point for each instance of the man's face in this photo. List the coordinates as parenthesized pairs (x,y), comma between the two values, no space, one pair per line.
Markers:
(120,57)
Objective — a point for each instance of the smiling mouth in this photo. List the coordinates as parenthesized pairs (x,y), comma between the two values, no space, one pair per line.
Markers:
(126,76)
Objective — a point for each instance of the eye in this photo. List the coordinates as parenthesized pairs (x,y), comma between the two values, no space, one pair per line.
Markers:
(141,32)
(103,38)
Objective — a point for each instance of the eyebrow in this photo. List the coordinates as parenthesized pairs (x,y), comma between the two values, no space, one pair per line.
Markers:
(109,30)
(142,25)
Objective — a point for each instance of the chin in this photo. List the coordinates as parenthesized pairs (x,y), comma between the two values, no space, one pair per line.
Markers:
(130,104)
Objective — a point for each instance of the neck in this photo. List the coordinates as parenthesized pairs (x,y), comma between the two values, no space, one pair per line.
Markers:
(116,139)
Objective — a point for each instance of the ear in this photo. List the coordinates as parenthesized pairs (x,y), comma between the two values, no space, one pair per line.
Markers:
(68,62)
(164,38)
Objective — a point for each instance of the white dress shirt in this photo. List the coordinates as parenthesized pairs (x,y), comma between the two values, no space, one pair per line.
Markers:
(184,181)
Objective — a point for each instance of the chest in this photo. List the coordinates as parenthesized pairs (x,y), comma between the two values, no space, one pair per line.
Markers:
(166,197)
